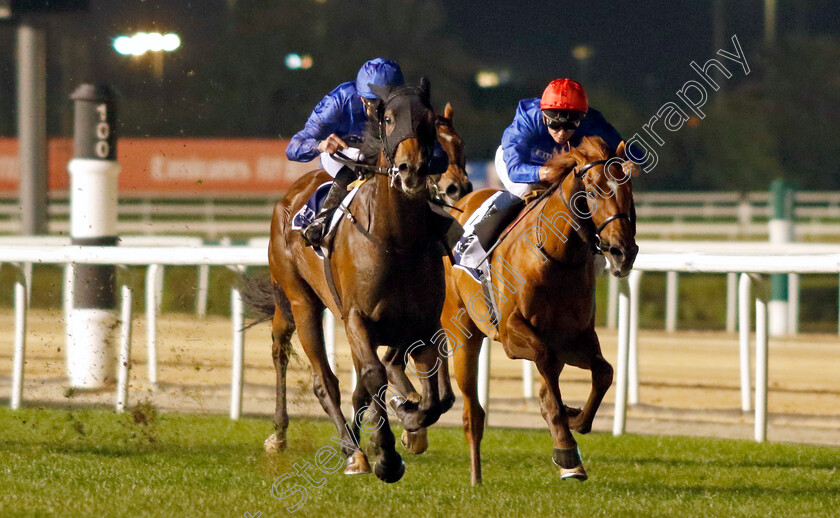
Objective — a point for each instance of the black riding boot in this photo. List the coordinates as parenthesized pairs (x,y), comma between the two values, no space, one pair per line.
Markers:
(314,233)
(505,208)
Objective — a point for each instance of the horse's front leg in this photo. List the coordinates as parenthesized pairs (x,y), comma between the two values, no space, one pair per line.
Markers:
(389,467)
(566,454)
(394,363)
(427,364)
(325,383)
(602,376)
(415,442)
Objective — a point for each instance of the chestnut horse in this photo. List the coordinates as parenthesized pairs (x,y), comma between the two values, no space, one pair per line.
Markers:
(388,282)
(453,184)
(543,280)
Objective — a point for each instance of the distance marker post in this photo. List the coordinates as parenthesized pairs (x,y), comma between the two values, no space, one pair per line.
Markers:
(93,171)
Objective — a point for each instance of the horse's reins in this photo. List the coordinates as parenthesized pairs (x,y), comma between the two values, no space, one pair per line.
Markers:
(548,192)
(343,159)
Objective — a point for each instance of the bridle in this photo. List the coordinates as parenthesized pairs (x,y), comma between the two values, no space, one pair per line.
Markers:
(388,143)
(579,173)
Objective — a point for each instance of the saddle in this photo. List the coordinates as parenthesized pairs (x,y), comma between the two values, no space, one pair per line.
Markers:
(312,208)
(483,229)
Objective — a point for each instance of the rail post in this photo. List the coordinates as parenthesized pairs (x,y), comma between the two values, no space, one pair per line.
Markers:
(621,364)
(780,229)
(93,221)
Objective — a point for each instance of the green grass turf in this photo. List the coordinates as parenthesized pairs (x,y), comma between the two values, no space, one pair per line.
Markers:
(86,462)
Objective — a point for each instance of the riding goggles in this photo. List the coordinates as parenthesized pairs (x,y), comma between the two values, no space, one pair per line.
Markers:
(557,125)
(562,120)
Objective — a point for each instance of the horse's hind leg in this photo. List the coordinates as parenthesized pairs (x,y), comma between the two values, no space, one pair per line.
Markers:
(281,346)
(566,453)
(466,374)
(602,376)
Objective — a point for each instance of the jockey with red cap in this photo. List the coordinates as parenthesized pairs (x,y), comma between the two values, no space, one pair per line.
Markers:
(341,116)
(541,127)
(553,123)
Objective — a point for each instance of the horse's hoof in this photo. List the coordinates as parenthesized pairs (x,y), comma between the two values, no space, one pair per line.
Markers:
(274,444)
(577,472)
(357,464)
(389,470)
(415,442)
(570,463)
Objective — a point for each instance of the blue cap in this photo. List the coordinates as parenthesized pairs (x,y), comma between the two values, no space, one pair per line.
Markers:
(383,72)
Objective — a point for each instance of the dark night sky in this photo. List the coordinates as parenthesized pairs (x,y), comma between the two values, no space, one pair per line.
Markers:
(642,49)
(649,41)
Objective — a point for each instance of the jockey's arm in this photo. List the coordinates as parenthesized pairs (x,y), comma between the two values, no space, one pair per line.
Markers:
(517,157)
(322,124)
(517,141)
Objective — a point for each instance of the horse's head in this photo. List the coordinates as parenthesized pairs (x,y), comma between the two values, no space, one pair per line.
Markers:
(453,184)
(608,201)
(404,123)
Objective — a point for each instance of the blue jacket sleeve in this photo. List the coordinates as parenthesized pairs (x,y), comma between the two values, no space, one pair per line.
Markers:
(439,162)
(516,144)
(323,121)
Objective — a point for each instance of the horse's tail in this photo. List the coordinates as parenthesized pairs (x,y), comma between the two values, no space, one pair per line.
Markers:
(263,296)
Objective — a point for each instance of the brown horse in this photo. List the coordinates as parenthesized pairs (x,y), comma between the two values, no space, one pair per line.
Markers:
(388,282)
(543,279)
(449,187)
(453,184)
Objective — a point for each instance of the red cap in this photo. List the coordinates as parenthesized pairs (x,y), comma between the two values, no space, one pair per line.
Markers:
(564,94)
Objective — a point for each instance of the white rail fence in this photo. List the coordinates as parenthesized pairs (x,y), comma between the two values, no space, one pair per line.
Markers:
(661,214)
(747,261)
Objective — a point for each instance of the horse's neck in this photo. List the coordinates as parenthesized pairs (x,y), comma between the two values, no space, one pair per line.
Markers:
(396,219)
(562,229)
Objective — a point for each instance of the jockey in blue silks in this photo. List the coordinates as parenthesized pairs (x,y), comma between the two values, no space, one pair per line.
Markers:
(341,115)
(541,127)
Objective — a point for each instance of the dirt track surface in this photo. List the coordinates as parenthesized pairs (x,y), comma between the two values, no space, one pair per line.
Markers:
(689,381)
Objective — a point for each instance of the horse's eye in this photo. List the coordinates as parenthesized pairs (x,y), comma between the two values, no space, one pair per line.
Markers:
(387,120)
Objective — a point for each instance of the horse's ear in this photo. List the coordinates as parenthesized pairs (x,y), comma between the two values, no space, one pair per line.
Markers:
(381,91)
(447,112)
(426,90)
(619,151)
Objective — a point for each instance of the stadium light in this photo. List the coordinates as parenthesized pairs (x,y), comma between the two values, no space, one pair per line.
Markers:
(492,78)
(295,61)
(143,42)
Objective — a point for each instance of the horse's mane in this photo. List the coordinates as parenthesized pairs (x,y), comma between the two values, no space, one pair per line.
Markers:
(371,143)
(591,148)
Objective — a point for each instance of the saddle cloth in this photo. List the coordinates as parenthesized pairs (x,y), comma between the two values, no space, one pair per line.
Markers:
(312,207)
(482,230)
